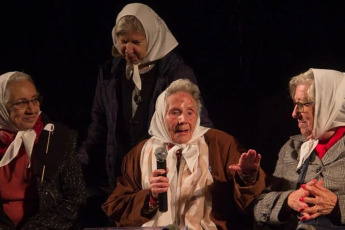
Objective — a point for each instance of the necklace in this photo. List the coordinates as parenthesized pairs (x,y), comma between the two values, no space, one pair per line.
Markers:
(146,68)
(137,97)
(137,93)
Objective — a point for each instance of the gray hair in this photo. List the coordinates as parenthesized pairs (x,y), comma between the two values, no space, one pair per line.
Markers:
(16,76)
(125,25)
(185,85)
(303,78)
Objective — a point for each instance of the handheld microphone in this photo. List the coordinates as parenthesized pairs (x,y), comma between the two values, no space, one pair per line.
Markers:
(171,227)
(161,154)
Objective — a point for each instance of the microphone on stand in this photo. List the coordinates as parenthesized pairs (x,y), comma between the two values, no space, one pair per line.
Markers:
(161,154)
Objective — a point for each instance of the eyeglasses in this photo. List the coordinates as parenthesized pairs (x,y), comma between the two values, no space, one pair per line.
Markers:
(300,106)
(23,104)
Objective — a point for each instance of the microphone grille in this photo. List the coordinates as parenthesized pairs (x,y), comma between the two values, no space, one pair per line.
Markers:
(161,153)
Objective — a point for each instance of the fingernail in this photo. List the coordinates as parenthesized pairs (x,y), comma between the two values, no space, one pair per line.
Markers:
(301,199)
(303,186)
(301,210)
(303,218)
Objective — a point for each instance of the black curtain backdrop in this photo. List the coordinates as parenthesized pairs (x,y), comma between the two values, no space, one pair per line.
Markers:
(243,53)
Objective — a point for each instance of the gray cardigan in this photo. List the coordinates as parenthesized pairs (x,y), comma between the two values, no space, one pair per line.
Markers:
(331,169)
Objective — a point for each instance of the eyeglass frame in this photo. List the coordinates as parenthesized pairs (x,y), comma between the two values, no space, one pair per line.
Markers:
(23,104)
(300,106)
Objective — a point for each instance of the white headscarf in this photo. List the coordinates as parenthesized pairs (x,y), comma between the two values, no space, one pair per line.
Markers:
(159,38)
(189,200)
(27,137)
(329,107)
(159,130)
(5,122)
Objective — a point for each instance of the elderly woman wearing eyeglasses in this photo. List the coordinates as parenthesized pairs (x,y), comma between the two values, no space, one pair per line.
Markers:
(308,186)
(41,183)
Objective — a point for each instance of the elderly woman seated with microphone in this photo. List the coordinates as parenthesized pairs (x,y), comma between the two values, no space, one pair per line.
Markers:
(203,189)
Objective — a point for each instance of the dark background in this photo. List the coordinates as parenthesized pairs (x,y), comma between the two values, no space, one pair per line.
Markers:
(243,53)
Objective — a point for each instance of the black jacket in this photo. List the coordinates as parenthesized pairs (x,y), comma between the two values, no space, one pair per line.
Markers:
(62,191)
(99,148)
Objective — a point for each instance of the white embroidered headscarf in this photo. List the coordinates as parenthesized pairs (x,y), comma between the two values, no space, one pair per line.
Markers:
(27,137)
(329,107)
(160,40)
(189,200)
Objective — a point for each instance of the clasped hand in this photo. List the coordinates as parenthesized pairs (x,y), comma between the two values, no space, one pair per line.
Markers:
(312,200)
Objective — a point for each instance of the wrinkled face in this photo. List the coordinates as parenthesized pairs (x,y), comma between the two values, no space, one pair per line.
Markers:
(181,117)
(26,117)
(305,119)
(133,46)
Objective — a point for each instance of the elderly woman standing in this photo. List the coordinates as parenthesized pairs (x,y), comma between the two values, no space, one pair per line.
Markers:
(41,183)
(202,190)
(316,157)
(144,64)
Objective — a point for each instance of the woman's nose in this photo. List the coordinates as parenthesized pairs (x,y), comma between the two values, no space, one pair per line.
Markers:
(182,118)
(295,112)
(129,48)
(31,106)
